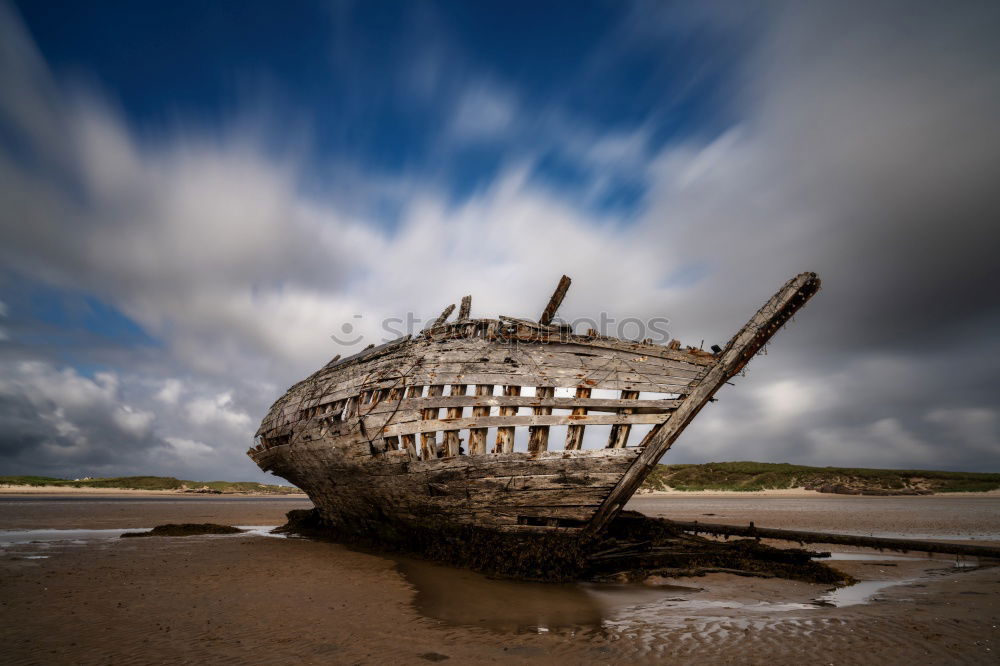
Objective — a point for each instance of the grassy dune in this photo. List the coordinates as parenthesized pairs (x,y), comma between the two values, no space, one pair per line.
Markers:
(152,483)
(749,476)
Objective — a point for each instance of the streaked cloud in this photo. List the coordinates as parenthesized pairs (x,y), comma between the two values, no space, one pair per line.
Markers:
(869,158)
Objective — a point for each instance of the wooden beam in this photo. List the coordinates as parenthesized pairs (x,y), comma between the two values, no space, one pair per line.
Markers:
(538,435)
(574,434)
(394,395)
(477,436)
(350,408)
(409,440)
(505,434)
(452,443)
(619,432)
(443,317)
(588,404)
(904,545)
(743,346)
(428,440)
(557,298)
(530,420)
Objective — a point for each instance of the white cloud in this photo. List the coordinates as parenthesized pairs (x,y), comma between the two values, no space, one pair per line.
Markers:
(787,398)
(65,429)
(44,386)
(219,410)
(171,391)
(482,112)
(187,447)
(133,421)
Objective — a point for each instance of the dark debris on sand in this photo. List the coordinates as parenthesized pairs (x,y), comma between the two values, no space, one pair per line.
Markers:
(185,529)
(631,548)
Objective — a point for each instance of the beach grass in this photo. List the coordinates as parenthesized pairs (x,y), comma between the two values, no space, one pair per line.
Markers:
(150,483)
(752,476)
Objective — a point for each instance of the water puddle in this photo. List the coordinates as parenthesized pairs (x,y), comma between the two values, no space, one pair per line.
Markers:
(462,597)
(859,593)
(14,537)
(259,530)
(929,536)
(866,557)
(31,544)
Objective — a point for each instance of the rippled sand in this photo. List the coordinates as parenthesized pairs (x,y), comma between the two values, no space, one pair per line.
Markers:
(92,598)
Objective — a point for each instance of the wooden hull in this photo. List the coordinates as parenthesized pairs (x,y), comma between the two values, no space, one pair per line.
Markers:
(513,491)
(423,431)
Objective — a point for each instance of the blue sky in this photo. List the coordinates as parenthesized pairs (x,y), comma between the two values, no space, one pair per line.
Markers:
(379,85)
(195,195)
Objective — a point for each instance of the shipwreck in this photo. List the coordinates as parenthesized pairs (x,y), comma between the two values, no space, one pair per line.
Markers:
(422,433)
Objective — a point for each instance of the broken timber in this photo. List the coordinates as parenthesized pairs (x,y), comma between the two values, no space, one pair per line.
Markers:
(904,545)
(376,439)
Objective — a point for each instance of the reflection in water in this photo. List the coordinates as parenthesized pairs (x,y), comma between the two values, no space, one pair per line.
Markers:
(858,593)
(462,597)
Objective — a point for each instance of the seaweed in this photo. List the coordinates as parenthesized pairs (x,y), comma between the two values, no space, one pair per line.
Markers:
(185,529)
(632,548)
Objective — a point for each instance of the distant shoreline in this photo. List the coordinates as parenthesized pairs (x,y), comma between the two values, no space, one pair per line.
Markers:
(71,490)
(794,493)
(789,493)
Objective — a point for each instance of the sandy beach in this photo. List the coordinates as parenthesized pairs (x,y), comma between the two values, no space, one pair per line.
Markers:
(85,596)
(71,490)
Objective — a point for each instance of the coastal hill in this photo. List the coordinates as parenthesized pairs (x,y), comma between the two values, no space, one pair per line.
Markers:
(153,483)
(750,476)
(732,476)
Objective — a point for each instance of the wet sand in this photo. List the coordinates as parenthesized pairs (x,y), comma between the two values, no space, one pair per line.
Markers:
(967,517)
(95,599)
(112,511)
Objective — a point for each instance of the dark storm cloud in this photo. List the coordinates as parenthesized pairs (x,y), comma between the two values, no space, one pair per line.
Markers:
(870,155)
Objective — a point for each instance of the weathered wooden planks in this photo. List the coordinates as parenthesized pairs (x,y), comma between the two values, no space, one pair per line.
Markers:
(485,490)
(477,360)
